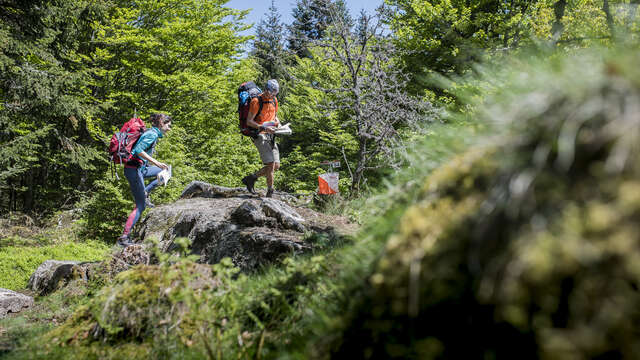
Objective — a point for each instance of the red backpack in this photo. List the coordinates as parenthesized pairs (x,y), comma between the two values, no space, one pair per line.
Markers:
(246,92)
(122,142)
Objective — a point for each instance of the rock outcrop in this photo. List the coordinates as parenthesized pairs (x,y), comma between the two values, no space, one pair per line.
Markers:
(220,222)
(13,302)
(128,257)
(227,222)
(49,274)
(53,274)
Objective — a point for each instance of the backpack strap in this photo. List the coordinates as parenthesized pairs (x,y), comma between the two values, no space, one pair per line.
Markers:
(260,108)
(152,148)
(274,102)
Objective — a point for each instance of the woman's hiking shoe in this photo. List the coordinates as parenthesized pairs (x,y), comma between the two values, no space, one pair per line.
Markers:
(249,181)
(269,192)
(123,241)
(147,200)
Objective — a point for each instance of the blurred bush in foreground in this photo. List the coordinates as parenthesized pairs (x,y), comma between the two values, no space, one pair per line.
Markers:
(527,247)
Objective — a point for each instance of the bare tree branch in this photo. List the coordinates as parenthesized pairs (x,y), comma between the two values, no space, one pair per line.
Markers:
(371,93)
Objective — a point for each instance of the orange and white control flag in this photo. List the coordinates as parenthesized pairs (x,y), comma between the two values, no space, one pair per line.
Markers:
(328,183)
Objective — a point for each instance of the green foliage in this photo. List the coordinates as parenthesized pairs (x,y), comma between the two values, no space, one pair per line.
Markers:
(310,21)
(450,36)
(107,209)
(18,263)
(189,67)
(584,23)
(78,81)
(318,133)
(46,153)
(187,47)
(279,301)
(188,70)
(365,106)
(49,312)
(268,48)
(180,309)
(15,330)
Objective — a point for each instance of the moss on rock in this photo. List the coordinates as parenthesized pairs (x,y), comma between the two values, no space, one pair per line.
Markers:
(139,304)
(527,250)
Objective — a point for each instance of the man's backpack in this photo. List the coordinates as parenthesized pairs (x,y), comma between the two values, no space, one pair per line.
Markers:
(122,142)
(246,92)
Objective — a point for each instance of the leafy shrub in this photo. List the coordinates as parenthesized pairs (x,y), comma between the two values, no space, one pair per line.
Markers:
(278,300)
(198,310)
(106,211)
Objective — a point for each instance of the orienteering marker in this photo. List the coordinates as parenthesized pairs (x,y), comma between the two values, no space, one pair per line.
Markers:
(328,182)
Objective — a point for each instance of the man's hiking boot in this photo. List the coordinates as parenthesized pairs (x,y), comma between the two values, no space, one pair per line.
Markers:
(270,192)
(249,181)
(123,241)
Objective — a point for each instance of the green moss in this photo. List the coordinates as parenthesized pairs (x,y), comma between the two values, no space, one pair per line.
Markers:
(18,263)
(462,175)
(137,305)
(533,243)
(51,351)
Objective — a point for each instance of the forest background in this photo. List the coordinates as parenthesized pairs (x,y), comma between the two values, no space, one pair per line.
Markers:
(392,95)
(72,72)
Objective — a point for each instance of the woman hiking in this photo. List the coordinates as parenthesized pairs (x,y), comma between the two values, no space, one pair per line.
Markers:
(136,170)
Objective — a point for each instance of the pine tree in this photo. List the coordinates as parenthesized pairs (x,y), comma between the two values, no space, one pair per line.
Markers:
(45,101)
(311,19)
(268,47)
(72,71)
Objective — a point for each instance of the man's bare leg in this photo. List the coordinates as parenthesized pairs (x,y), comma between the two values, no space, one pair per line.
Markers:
(267,171)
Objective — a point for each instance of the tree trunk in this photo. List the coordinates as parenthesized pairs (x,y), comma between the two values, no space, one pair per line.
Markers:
(12,196)
(557,27)
(362,142)
(607,12)
(359,171)
(632,12)
(27,197)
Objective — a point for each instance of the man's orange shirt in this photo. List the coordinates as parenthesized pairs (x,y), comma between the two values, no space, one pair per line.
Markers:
(268,112)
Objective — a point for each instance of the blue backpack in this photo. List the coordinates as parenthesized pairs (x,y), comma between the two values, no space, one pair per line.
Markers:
(246,92)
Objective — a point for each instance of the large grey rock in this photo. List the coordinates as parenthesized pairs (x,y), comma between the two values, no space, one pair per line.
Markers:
(203,189)
(227,222)
(285,214)
(206,190)
(251,215)
(250,248)
(11,301)
(49,274)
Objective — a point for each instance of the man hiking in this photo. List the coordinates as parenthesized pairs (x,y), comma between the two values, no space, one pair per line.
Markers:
(137,170)
(266,123)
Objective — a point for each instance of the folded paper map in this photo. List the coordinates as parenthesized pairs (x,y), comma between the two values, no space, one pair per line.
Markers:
(164,176)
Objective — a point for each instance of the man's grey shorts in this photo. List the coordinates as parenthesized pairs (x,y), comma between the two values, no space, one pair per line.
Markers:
(267,154)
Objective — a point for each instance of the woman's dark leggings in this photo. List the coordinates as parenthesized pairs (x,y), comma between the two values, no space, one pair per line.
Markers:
(136,177)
